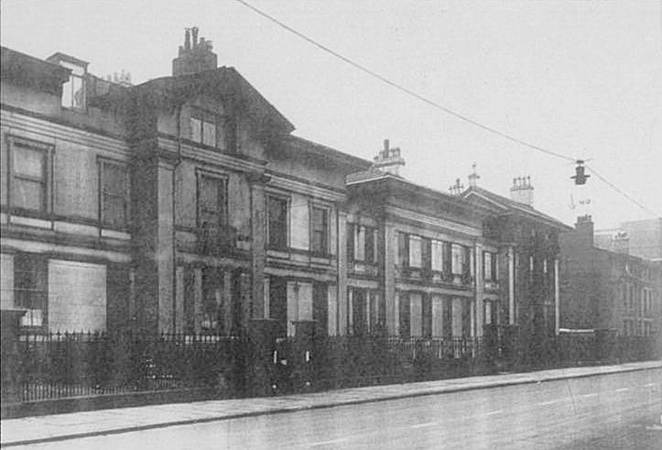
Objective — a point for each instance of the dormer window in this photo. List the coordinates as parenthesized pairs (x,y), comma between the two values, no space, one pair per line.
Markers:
(212,129)
(73,90)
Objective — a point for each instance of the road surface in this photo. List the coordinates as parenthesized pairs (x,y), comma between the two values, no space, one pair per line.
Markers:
(609,411)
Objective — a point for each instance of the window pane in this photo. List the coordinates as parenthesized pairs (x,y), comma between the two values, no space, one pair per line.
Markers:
(415,259)
(487,264)
(196,129)
(209,133)
(28,162)
(28,194)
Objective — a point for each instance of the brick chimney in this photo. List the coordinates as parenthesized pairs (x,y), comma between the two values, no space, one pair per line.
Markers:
(389,159)
(584,230)
(522,190)
(195,55)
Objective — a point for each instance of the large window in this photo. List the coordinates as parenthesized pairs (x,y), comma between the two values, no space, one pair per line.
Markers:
(320,230)
(212,205)
(114,194)
(277,223)
(29,183)
(31,288)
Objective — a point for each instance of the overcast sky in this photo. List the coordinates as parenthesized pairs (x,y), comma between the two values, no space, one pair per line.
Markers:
(583,78)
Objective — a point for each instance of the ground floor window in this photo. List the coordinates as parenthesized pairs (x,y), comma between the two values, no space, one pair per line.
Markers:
(213,301)
(366,313)
(278,304)
(321,308)
(31,288)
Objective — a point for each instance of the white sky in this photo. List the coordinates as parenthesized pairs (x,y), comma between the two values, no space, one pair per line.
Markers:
(583,78)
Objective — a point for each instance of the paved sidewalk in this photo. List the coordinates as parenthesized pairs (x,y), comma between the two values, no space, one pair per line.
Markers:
(91,423)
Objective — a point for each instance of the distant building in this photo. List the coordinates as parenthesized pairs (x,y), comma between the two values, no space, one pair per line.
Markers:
(604,289)
(642,238)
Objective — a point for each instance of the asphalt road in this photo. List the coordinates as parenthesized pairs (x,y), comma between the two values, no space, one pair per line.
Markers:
(609,411)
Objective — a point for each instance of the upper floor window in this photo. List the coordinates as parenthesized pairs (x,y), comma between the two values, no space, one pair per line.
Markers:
(29,183)
(437,256)
(277,223)
(490,266)
(458,259)
(320,230)
(114,193)
(362,243)
(212,129)
(415,252)
(211,200)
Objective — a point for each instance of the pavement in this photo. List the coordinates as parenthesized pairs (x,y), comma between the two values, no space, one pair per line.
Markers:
(63,427)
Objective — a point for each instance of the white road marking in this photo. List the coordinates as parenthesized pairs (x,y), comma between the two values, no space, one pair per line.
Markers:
(622,390)
(421,425)
(551,402)
(333,441)
(650,384)
(494,412)
(593,394)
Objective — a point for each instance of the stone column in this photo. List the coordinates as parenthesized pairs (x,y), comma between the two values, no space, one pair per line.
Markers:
(341,298)
(258,247)
(390,250)
(557,309)
(480,287)
(152,217)
(511,286)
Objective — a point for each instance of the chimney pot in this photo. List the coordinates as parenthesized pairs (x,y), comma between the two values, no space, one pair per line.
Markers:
(187,39)
(194,30)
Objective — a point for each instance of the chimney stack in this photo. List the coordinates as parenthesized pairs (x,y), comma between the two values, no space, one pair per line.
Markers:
(584,232)
(389,159)
(195,55)
(522,191)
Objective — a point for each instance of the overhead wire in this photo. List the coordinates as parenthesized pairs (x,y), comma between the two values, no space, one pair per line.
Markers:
(439,106)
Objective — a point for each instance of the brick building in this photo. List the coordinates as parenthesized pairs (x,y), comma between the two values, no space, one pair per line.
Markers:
(608,290)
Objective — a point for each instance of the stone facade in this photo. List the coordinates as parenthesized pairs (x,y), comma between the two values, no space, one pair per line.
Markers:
(185,204)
